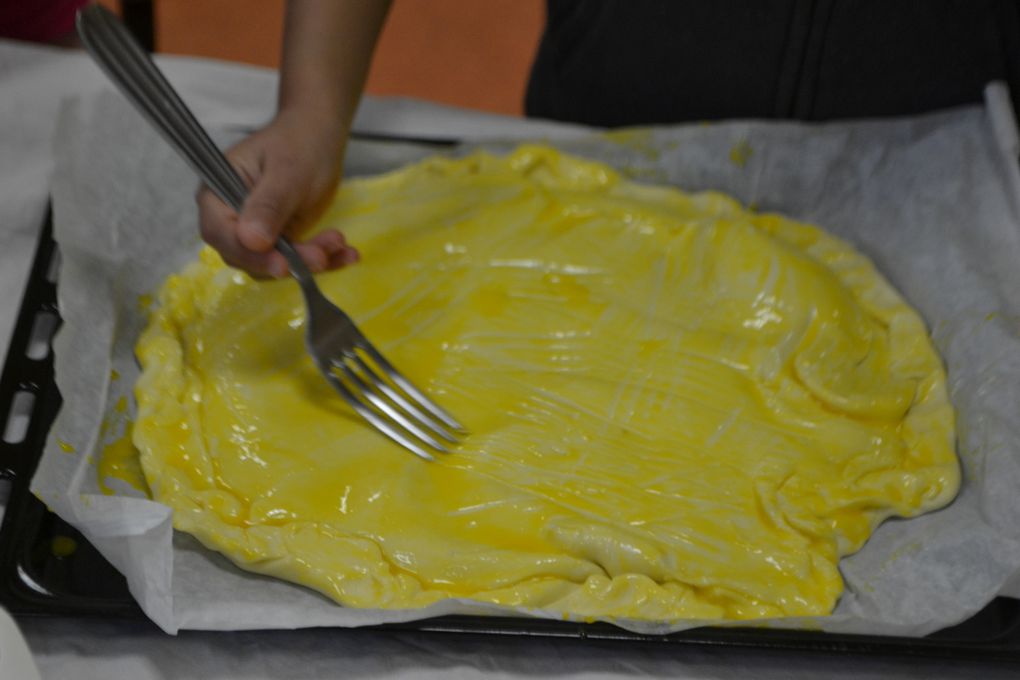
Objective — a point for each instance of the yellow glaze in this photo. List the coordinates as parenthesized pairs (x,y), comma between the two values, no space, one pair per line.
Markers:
(63,546)
(740,153)
(119,460)
(678,408)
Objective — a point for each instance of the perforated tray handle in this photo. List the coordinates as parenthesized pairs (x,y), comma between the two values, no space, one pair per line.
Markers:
(28,366)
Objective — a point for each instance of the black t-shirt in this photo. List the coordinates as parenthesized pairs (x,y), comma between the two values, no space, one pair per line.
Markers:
(628,62)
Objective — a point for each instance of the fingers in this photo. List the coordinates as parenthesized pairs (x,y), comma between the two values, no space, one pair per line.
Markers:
(220,227)
(335,249)
(326,251)
(272,204)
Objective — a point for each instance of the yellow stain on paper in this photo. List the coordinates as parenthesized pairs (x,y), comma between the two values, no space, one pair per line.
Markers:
(641,140)
(63,546)
(740,153)
(119,460)
(678,408)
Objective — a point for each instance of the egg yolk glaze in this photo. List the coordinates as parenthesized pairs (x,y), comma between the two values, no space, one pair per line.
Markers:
(678,409)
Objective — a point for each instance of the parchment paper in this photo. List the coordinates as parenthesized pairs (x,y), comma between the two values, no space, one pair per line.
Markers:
(934,201)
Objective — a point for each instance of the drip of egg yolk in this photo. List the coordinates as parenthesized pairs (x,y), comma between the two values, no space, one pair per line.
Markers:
(678,409)
(119,460)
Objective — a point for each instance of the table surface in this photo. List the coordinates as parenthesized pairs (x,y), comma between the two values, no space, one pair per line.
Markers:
(35,81)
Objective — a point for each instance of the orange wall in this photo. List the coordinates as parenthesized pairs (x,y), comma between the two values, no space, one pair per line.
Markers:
(473,53)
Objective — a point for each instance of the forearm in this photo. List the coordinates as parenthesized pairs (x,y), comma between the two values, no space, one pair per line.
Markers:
(328,46)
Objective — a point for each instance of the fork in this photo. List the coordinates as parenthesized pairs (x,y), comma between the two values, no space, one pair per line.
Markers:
(369,383)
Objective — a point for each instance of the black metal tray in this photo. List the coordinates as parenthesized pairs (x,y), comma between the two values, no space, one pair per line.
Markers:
(47,568)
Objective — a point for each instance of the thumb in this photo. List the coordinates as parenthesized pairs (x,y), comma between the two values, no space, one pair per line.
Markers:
(268,209)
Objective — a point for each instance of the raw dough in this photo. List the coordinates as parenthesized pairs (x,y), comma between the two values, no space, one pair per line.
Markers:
(678,408)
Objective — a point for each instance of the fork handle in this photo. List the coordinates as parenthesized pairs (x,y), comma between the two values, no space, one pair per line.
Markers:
(140,80)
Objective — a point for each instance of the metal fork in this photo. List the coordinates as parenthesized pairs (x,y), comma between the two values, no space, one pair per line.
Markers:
(358,372)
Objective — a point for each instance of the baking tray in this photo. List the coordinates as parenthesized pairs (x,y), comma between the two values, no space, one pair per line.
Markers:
(47,568)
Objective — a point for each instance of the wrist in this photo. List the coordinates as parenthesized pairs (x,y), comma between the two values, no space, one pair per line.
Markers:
(329,126)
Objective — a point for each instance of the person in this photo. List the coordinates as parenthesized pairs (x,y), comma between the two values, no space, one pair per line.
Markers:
(612,63)
(43,21)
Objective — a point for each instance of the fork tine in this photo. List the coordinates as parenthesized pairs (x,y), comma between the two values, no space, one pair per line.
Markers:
(374,419)
(405,384)
(368,392)
(381,385)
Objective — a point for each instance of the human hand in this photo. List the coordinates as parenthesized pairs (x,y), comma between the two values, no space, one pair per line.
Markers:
(292,168)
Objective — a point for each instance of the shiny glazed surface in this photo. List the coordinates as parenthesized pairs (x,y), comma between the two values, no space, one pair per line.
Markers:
(678,408)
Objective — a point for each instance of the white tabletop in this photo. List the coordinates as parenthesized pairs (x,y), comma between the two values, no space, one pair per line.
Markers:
(33,83)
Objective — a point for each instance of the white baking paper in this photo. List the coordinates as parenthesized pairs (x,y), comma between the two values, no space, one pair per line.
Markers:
(934,201)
